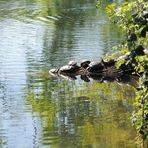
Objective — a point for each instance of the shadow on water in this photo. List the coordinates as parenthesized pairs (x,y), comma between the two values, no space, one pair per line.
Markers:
(37,110)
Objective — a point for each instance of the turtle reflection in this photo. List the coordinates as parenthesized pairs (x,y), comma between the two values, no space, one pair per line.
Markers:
(102,71)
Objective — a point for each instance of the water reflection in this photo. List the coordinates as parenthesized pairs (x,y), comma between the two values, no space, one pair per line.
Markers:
(97,115)
(37,110)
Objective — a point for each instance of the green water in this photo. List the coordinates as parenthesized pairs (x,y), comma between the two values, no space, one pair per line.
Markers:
(40,111)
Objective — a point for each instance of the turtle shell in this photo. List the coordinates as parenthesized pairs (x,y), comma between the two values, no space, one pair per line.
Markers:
(95,64)
(65,68)
(95,67)
(85,63)
(109,63)
(72,63)
(68,69)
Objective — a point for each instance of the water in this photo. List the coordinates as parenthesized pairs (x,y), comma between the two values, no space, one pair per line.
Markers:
(39,111)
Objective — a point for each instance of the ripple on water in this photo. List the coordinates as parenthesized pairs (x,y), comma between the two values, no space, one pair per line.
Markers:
(37,110)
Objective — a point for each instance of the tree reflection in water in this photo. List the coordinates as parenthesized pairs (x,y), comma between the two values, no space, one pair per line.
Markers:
(80,114)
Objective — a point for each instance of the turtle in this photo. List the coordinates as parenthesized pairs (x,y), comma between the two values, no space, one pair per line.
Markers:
(72,67)
(85,63)
(95,67)
(72,63)
(109,63)
(66,68)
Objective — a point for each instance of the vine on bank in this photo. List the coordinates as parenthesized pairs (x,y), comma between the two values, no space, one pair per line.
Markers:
(132,17)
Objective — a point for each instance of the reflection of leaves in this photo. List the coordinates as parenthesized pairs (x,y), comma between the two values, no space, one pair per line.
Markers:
(71,114)
(110,9)
(99,2)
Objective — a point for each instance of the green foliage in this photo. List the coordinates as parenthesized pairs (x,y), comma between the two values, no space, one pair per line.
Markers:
(132,17)
(99,2)
(120,62)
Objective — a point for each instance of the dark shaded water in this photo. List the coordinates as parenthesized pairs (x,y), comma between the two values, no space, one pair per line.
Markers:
(37,110)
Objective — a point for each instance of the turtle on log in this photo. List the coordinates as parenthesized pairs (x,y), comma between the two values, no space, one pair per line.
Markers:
(95,67)
(71,67)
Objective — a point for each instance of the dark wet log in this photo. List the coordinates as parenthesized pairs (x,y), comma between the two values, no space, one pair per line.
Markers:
(99,71)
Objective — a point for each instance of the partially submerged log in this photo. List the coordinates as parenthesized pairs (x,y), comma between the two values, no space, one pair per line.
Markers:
(100,70)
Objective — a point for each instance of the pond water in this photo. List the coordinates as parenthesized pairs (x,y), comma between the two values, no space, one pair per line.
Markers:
(40,111)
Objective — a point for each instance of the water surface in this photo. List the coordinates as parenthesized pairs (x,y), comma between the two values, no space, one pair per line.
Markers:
(37,110)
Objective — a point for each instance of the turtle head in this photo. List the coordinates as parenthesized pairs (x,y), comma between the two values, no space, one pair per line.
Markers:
(53,71)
